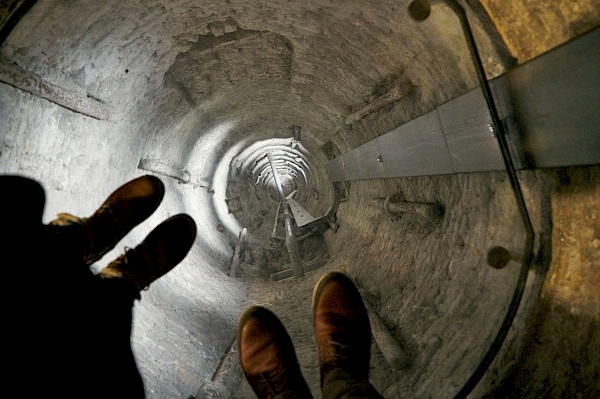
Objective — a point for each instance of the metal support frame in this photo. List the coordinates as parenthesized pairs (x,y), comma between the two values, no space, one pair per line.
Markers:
(291,242)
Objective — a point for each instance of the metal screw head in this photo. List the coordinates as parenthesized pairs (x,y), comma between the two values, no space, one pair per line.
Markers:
(419,10)
(498,257)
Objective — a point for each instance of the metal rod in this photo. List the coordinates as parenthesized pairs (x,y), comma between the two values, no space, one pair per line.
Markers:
(276,222)
(402,89)
(155,166)
(390,349)
(514,181)
(277,181)
(496,121)
(13,75)
(291,242)
(297,131)
(235,262)
(225,376)
(431,212)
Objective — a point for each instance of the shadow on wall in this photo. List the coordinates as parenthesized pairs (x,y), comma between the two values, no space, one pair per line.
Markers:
(562,343)
(561,355)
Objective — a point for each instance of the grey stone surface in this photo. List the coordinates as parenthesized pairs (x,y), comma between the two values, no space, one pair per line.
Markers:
(194,83)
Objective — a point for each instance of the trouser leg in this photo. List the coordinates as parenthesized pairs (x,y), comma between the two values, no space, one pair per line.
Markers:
(69,331)
(91,335)
(339,385)
(111,356)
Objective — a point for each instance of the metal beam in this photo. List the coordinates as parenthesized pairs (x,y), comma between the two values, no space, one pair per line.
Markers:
(301,215)
(548,108)
(555,102)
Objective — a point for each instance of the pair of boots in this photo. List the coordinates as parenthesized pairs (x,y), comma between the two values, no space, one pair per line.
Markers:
(267,354)
(342,335)
(72,328)
(125,208)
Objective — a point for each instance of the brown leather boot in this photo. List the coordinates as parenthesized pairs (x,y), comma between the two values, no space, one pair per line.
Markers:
(125,208)
(268,358)
(342,333)
(160,252)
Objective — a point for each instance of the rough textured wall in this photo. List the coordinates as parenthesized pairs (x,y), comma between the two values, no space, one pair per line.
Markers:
(185,82)
(530,28)
(561,355)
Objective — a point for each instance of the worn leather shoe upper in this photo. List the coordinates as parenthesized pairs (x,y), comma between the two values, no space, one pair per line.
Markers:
(160,252)
(268,358)
(342,330)
(125,208)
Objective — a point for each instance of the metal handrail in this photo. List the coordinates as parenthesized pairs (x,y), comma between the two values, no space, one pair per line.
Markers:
(499,131)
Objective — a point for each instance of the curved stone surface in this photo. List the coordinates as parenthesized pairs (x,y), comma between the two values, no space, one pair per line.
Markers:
(191,85)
